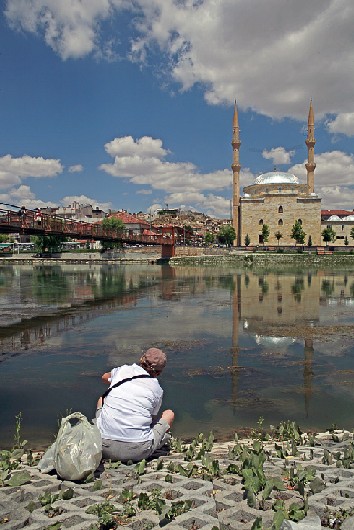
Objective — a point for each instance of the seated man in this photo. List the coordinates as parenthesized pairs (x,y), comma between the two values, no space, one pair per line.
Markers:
(127,412)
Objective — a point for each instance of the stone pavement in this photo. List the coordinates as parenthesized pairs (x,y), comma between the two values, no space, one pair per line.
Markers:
(217,495)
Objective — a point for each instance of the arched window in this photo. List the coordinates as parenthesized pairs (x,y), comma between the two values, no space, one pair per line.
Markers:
(279,189)
(260,222)
(280,209)
(299,221)
(280,222)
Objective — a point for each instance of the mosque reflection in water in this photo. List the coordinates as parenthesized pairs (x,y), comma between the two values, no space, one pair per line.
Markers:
(252,319)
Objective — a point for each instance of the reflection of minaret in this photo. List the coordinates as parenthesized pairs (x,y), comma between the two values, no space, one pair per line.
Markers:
(310,142)
(236,177)
(308,373)
(236,299)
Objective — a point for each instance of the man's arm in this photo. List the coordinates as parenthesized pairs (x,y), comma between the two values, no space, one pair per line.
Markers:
(107,378)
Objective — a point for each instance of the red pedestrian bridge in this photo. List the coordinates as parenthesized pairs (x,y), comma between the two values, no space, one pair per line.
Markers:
(31,224)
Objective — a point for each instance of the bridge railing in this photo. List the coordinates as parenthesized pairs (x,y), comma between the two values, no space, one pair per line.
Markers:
(30,222)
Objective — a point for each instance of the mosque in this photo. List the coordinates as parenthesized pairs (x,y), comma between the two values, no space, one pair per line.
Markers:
(276,199)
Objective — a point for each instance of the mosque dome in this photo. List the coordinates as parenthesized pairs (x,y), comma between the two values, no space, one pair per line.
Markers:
(277,177)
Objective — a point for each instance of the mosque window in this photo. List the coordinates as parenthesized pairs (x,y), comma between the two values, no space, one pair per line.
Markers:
(260,222)
(280,222)
(279,189)
(300,221)
(342,227)
(280,209)
(280,310)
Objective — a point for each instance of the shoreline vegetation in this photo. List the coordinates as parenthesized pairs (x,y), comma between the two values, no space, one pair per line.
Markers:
(252,483)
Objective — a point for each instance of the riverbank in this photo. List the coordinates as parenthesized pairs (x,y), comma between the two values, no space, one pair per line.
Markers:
(199,486)
(195,257)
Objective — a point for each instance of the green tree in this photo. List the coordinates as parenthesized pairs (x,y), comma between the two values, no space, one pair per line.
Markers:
(48,243)
(227,235)
(209,238)
(117,226)
(352,233)
(113,223)
(297,233)
(346,242)
(265,233)
(309,241)
(278,236)
(328,235)
(247,240)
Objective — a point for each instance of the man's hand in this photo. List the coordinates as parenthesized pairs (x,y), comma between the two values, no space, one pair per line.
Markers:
(107,378)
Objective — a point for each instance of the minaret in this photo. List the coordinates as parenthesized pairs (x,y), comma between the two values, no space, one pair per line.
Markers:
(310,142)
(236,176)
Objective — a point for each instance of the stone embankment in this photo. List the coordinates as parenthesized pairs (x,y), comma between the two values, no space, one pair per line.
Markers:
(194,256)
(237,485)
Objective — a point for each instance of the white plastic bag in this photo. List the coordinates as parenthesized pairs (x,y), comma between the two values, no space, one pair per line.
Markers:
(77,451)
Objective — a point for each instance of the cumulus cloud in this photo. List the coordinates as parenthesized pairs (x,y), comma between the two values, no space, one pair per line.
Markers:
(343,123)
(334,179)
(273,58)
(69,27)
(13,170)
(83,199)
(144,192)
(279,155)
(77,168)
(146,147)
(143,162)
(23,196)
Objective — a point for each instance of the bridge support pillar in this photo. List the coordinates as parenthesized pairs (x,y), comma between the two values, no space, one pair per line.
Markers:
(167,251)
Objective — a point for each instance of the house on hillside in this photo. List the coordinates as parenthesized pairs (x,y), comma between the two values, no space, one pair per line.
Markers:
(341,222)
(131,222)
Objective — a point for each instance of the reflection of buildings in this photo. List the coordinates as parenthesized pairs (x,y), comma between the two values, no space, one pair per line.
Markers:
(279,299)
(269,306)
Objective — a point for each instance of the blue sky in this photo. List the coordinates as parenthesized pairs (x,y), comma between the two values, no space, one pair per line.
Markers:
(126,104)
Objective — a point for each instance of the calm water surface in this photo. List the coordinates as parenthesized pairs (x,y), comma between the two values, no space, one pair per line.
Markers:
(240,344)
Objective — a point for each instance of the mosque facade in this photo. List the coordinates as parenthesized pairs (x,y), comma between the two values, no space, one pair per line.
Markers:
(276,199)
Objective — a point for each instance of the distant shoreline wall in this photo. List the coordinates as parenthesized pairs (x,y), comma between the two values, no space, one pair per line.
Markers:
(191,256)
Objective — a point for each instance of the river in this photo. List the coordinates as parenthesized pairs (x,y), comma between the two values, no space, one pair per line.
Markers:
(241,345)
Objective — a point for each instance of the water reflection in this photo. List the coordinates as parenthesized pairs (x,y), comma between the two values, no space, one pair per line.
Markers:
(241,344)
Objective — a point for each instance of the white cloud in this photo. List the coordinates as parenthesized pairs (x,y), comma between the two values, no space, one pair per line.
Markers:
(13,170)
(334,179)
(144,192)
(210,204)
(279,155)
(143,162)
(126,146)
(273,58)
(144,165)
(23,196)
(83,199)
(343,123)
(69,27)
(77,168)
